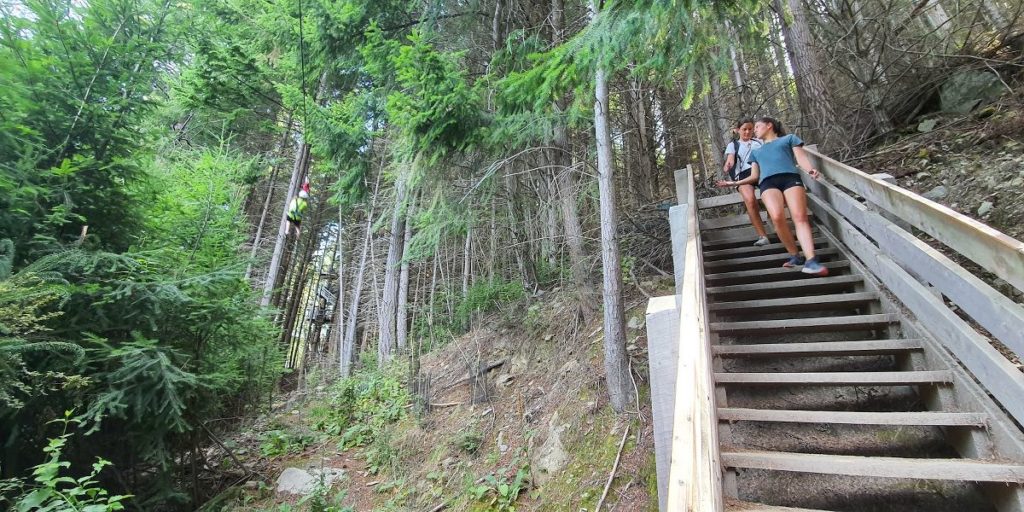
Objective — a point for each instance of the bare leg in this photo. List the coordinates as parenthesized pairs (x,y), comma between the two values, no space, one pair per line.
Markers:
(796,199)
(775,203)
(753,209)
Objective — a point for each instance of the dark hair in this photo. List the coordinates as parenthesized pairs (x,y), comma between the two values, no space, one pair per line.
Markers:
(739,124)
(776,124)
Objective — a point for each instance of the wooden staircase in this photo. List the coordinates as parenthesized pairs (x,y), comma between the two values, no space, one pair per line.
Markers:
(821,393)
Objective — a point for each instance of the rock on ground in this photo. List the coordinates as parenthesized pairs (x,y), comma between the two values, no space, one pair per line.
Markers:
(300,482)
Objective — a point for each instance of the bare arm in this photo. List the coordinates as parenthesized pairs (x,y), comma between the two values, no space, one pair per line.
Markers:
(730,160)
(755,174)
(805,162)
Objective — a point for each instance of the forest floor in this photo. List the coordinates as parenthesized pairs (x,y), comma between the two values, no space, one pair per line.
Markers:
(545,413)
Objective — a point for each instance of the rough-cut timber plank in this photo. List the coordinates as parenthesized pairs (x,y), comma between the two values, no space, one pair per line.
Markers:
(935,419)
(732,505)
(794,325)
(763,275)
(995,251)
(991,368)
(879,467)
(754,250)
(827,348)
(808,303)
(736,237)
(732,221)
(762,261)
(784,289)
(714,202)
(837,378)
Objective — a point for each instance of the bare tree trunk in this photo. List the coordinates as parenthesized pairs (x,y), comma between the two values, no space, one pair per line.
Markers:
(258,238)
(466,260)
(615,357)
(816,106)
(402,326)
(339,302)
(349,339)
(387,315)
(298,170)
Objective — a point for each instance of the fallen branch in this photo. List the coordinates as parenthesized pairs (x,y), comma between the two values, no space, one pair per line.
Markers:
(470,376)
(615,468)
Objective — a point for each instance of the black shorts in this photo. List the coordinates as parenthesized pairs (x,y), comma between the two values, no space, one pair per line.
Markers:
(781,182)
(741,175)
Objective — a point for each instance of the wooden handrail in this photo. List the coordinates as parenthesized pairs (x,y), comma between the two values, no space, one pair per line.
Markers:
(995,251)
(695,476)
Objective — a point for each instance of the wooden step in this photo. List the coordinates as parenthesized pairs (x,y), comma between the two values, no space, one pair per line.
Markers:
(828,348)
(841,301)
(738,237)
(766,275)
(754,250)
(877,467)
(926,419)
(795,325)
(732,505)
(798,288)
(733,221)
(836,378)
(762,261)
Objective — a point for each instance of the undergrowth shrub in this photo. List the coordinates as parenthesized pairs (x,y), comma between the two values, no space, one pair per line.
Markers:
(52,490)
(362,407)
(485,296)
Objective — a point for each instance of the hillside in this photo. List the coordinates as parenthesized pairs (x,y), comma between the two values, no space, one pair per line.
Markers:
(536,422)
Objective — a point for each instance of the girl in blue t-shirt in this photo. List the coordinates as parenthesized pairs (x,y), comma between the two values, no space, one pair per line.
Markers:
(774,169)
(737,167)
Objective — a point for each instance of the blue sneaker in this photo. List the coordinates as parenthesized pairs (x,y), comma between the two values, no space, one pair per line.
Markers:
(794,261)
(814,268)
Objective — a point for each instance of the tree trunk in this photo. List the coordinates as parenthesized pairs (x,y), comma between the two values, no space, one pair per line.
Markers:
(402,326)
(298,171)
(615,357)
(348,343)
(816,106)
(266,203)
(339,301)
(387,315)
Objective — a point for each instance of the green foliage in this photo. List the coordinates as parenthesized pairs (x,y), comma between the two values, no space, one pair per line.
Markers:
(282,442)
(362,407)
(484,296)
(52,492)
(500,490)
(469,440)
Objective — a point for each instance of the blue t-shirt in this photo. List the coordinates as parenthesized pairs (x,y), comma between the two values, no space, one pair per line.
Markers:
(776,157)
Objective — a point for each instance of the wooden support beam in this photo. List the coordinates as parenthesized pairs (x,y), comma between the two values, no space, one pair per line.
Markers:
(879,467)
(827,348)
(754,250)
(795,325)
(837,378)
(809,303)
(764,275)
(927,419)
(785,289)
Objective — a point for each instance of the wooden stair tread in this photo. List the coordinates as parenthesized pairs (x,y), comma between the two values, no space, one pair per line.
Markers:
(837,378)
(733,221)
(750,250)
(785,288)
(810,302)
(732,505)
(772,274)
(762,259)
(929,418)
(879,467)
(739,237)
(828,348)
(814,324)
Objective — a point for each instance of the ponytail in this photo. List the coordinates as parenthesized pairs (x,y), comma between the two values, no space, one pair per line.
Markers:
(776,125)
